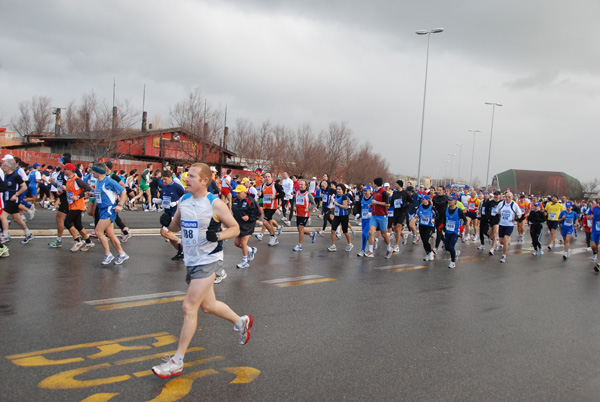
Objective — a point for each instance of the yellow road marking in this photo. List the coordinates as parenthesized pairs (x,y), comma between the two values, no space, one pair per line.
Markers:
(244,375)
(99,397)
(84,345)
(408,268)
(297,283)
(154,356)
(66,379)
(473,259)
(178,388)
(117,306)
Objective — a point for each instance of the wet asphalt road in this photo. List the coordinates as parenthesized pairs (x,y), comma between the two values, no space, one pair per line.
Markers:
(328,326)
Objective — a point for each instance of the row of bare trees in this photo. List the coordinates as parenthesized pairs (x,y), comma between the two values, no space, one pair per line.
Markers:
(304,152)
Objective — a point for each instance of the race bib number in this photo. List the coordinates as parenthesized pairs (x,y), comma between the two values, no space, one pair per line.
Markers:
(482,210)
(494,212)
(598,226)
(398,203)
(552,216)
(568,222)
(98,195)
(471,206)
(166,202)
(424,219)
(300,200)
(450,226)
(390,213)
(506,217)
(337,211)
(69,197)
(266,198)
(366,214)
(189,233)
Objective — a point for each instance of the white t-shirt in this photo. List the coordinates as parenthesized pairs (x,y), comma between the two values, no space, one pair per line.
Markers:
(508,213)
(288,188)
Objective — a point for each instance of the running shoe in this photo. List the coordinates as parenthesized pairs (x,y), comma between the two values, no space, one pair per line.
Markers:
(125,237)
(457,253)
(313,235)
(503,258)
(361,253)
(77,245)
(541,252)
(452,265)
(55,244)
(338,235)
(369,254)
(535,252)
(550,247)
(396,249)
(481,247)
(298,247)
(27,238)
(108,258)
(259,236)
(31,213)
(405,239)
(375,244)
(388,253)
(219,278)
(6,239)
(4,252)
(321,232)
(273,241)
(243,265)
(416,240)
(121,258)
(178,256)
(491,252)
(597,267)
(87,246)
(247,322)
(93,233)
(170,368)
(251,252)
(332,248)
(279,230)
(565,256)
(349,247)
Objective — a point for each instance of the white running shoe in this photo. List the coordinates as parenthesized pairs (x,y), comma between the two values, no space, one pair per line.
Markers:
(332,248)
(396,249)
(349,247)
(535,252)
(503,258)
(169,368)
(251,252)
(297,248)
(259,236)
(247,322)
(243,265)
(219,278)
(375,244)
(481,247)
(273,241)
(279,230)
(77,245)
(452,265)
(361,253)
(405,239)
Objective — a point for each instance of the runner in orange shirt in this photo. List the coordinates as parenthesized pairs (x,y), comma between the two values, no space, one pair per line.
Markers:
(525,206)
(472,207)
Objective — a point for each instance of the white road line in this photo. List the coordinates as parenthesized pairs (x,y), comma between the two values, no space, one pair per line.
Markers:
(396,266)
(297,278)
(132,298)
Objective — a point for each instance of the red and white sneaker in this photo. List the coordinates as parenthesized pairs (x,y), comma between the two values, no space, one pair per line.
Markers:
(247,322)
(169,368)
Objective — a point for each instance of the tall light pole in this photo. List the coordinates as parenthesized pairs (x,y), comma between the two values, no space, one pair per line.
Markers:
(487,177)
(428,33)
(451,165)
(473,155)
(459,145)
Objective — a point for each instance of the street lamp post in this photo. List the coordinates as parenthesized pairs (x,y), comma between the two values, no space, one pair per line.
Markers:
(424,32)
(473,155)
(451,165)
(494,104)
(459,145)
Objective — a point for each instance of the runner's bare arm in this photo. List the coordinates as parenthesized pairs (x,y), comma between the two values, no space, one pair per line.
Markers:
(221,211)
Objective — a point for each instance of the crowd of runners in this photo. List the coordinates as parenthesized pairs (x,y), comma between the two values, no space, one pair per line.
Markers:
(207,209)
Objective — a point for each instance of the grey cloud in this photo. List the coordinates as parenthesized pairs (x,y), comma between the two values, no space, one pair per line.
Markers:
(540,79)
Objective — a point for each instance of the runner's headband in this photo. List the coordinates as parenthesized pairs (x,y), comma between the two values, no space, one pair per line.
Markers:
(98,170)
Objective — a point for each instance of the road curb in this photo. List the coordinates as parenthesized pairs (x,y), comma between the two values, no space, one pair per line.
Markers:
(154,231)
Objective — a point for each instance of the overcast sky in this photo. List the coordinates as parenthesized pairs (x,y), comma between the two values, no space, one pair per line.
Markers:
(315,61)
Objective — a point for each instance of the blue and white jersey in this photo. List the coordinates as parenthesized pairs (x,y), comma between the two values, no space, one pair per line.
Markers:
(508,212)
(339,211)
(426,215)
(595,212)
(196,217)
(34,175)
(171,194)
(392,206)
(452,221)
(570,218)
(107,194)
(365,209)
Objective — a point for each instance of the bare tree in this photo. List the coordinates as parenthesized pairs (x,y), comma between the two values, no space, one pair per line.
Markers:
(34,116)
(590,188)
